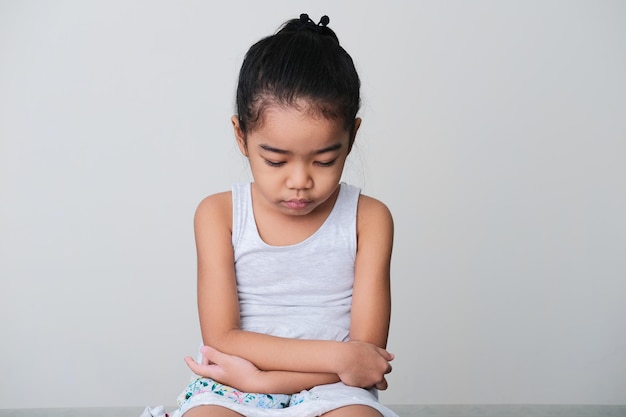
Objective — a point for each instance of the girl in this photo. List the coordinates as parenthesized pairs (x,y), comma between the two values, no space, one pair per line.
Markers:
(293,268)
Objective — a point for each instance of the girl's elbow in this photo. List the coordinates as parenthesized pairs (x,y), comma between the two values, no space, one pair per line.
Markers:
(220,339)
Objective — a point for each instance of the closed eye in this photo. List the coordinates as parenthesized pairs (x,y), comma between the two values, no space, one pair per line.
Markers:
(325,164)
(274,164)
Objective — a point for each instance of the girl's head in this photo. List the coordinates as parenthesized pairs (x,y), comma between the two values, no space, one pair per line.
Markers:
(302,65)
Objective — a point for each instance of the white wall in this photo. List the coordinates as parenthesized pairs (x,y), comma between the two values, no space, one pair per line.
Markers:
(495,131)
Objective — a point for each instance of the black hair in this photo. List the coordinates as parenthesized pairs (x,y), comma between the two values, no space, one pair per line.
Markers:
(302,60)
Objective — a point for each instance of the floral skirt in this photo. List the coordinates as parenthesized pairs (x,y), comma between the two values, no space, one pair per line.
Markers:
(203,385)
(307,403)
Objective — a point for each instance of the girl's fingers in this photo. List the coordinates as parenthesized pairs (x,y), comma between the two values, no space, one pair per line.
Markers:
(192,364)
(382,385)
(207,370)
(387,355)
(204,360)
(212,355)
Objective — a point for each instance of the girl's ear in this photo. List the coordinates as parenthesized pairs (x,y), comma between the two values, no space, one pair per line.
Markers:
(357,124)
(239,135)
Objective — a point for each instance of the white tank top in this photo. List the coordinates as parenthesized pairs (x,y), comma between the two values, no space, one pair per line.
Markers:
(302,290)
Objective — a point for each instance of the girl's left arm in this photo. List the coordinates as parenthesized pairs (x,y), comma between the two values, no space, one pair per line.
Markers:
(371,297)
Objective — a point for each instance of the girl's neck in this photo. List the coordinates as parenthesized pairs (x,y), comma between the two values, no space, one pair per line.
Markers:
(279,229)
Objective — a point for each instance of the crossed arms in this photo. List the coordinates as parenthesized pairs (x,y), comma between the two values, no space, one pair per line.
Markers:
(255,362)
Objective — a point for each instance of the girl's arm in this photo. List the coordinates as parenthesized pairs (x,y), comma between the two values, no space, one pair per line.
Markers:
(371,297)
(243,375)
(218,306)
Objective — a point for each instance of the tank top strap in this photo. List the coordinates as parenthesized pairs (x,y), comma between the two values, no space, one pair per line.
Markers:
(242,207)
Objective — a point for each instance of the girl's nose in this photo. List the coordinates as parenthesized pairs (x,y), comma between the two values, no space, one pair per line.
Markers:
(299,178)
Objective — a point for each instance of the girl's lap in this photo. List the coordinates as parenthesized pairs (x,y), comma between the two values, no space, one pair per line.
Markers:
(347,411)
(353,411)
(211,411)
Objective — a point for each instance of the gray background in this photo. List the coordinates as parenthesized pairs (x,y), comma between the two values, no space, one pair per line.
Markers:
(494,130)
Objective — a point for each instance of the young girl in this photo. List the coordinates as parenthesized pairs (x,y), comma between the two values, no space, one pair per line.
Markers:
(293,268)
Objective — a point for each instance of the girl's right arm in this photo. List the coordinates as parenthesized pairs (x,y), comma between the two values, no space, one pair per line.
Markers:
(218,307)
(243,375)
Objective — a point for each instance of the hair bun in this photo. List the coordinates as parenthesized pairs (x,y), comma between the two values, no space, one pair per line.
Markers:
(305,22)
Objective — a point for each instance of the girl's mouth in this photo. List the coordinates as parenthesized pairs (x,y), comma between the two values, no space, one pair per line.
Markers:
(297,204)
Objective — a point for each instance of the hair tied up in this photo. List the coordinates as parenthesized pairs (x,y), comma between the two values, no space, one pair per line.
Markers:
(307,23)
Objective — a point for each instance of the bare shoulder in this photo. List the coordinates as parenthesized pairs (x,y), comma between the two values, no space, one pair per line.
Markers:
(373,213)
(215,209)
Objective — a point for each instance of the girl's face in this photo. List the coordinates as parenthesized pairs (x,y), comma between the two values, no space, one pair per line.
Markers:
(296,158)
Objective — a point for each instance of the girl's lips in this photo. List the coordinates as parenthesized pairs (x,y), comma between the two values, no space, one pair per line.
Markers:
(297,204)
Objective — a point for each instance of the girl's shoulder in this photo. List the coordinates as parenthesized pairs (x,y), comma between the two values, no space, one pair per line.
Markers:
(215,209)
(218,201)
(370,207)
(373,216)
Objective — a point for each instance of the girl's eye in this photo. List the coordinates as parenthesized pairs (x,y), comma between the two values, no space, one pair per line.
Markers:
(274,164)
(325,164)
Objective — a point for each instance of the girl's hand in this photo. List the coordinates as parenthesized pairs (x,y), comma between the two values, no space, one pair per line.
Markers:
(226,369)
(364,365)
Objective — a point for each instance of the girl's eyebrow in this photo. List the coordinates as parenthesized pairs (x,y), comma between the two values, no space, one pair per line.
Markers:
(269,148)
(330,148)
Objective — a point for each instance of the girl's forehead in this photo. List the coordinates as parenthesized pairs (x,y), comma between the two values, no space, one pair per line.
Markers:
(287,127)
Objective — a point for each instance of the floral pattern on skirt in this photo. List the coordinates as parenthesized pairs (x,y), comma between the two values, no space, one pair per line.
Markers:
(202,385)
